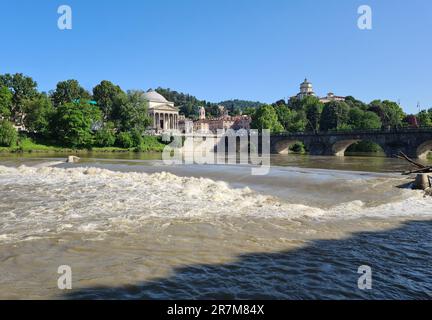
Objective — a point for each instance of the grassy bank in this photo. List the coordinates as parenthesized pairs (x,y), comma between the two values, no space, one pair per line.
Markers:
(28,145)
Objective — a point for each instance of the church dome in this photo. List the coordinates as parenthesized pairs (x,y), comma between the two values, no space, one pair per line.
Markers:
(153,96)
(306,84)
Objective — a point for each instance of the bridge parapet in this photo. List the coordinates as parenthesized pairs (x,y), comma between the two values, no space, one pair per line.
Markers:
(415,142)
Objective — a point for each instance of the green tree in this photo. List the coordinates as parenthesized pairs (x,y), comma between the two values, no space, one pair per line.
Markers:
(425,118)
(363,120)
(105,95)
(74,121)
(23,88)
(266,117)
(5,102)
(354,103)
(69,91)
(313,109)
(8,134)
(284,114)
(39,113)
(105,136)
(390,112)
(125,140)
(134,112)
(334,116)
(297,121)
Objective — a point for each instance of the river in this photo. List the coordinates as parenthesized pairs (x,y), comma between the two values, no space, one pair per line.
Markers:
(131,227)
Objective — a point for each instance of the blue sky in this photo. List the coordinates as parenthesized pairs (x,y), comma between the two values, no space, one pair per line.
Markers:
(224,49)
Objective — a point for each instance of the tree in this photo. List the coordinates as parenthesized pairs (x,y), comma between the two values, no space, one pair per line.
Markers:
(105,137)
(105,95)
(334,116)
(391,113)
(69,91)
(354,103)
(297,121)
(425,118)
(124,140)
(313,109)
(283,114)
(410,121)
(8,134)
(265,117)
(363,120)
(23,88)
(134,112)
(73,123)
(5,102)
(39,113)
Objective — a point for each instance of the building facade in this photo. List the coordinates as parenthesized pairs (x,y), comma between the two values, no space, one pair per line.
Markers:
(163,112)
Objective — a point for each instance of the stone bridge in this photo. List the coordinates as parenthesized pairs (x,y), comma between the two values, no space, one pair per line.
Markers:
(415,143)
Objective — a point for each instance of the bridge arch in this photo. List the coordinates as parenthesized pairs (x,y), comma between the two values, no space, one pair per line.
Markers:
(424,149)
(339,148)
(282,146)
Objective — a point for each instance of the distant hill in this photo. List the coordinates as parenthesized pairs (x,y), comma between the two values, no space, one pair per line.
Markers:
(189,104)
(240,104)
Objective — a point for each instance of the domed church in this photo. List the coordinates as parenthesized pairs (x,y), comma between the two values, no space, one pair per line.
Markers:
(163,112)
(306,89)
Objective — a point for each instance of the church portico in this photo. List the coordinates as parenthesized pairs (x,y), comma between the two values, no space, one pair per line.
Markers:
(162,111)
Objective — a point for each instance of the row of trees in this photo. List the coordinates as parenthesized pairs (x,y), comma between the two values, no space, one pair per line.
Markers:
(72,116)
(311,115)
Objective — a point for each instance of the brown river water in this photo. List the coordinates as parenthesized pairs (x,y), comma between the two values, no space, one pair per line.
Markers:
(131,227)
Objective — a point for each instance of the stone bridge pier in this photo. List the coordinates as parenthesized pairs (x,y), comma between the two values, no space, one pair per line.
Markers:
(416,143)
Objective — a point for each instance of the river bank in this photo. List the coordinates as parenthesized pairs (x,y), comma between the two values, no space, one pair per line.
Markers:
(28,145)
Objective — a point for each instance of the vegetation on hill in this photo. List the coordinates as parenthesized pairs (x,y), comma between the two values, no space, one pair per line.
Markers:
(189,105)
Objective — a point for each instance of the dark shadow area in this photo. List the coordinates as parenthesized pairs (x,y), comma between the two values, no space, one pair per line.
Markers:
(401,262)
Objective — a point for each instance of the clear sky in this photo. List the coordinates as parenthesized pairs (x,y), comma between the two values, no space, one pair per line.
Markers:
(224,49)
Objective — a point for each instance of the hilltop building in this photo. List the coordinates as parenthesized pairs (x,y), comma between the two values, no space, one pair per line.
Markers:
(306,89)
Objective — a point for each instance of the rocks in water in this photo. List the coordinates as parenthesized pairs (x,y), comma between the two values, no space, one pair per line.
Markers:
(423,181)
(73,159)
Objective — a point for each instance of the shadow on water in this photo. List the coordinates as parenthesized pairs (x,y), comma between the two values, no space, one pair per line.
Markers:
(401,262)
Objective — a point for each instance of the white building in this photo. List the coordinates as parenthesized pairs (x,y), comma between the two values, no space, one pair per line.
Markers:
(306,89)
(163,112)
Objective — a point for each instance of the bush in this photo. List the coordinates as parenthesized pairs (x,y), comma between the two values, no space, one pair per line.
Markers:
(124,140)
(136,138)
(150,143)
(8,134)
(105,137)
(298,147)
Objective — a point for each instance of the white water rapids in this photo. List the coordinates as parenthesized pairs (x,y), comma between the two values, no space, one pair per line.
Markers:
(117,225)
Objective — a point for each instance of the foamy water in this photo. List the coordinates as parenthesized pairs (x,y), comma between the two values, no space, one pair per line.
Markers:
(104,222)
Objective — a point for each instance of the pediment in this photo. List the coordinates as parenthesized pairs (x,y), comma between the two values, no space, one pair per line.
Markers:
(164,107)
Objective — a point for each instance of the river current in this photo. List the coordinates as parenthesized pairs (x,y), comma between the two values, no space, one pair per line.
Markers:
(134,228)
